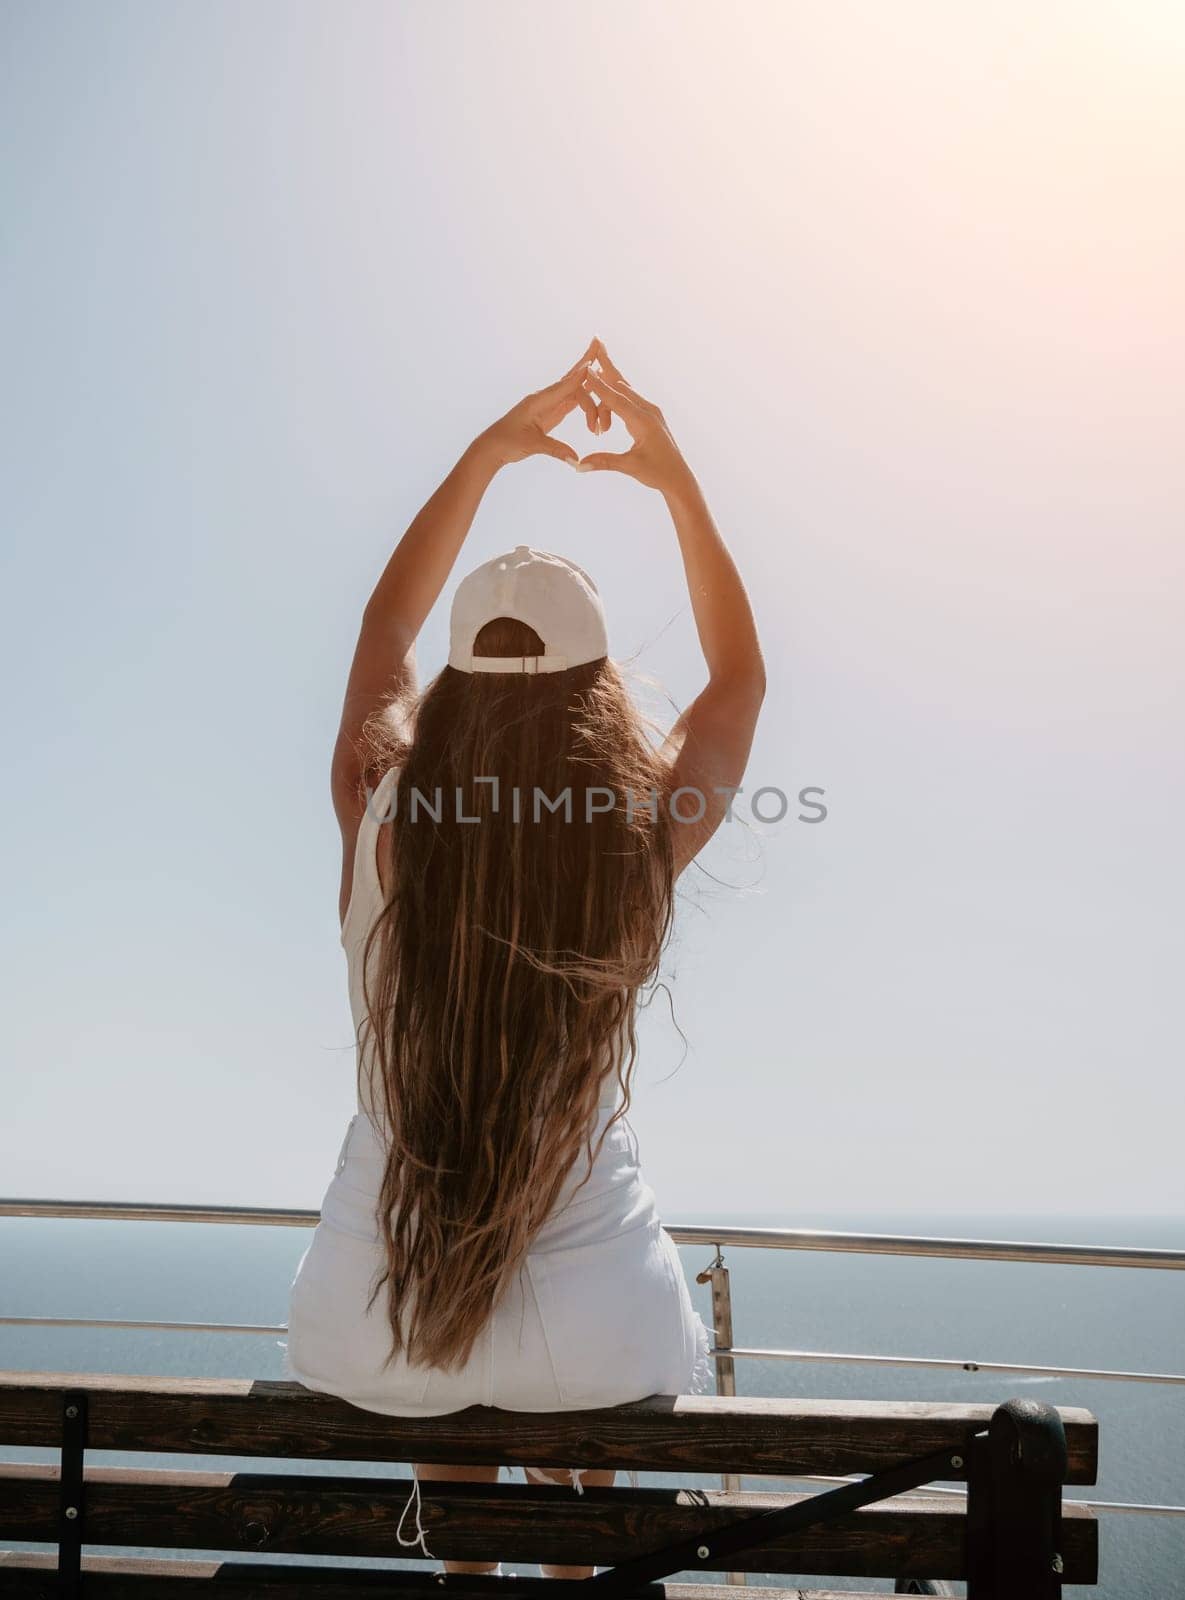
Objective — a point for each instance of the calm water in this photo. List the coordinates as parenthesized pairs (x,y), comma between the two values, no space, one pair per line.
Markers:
(1059,1315)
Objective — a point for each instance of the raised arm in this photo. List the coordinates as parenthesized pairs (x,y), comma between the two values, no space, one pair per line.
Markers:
(383,672)
(708,747)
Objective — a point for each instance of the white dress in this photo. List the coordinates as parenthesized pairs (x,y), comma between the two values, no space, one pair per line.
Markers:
(598,1314)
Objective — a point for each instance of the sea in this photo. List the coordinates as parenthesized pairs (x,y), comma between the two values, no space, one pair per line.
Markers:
(1117,1319)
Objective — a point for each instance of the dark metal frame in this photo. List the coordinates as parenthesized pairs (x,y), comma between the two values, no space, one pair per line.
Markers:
(1014,1504)
(750,1532)
(71,1496)
(1015,1472)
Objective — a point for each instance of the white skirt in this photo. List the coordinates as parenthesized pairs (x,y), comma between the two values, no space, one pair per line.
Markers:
(598,1314)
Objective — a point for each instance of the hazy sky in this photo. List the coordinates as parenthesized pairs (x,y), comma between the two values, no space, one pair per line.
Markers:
(906,281)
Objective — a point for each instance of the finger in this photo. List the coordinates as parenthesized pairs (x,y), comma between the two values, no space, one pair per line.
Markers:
(613,400)
(563,392)
(568,385)
(600,417)
(606,407)
(619,399)
(578,366)
(558,450)
(554,403)
(609,461)
(602,355)
(615,376)
(589,406)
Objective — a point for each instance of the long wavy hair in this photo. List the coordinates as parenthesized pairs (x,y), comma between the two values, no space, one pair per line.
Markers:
(502,975)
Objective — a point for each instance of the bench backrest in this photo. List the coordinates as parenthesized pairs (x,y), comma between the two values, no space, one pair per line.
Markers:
(1012,1522)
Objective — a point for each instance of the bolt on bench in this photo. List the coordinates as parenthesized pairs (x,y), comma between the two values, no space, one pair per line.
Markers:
(1013,1538)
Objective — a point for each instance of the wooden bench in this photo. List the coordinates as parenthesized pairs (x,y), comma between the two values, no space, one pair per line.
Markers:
(1012,1538)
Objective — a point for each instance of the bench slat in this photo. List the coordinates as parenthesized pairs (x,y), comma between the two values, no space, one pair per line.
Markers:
(33,1577)
(295,1513)
(685,1433)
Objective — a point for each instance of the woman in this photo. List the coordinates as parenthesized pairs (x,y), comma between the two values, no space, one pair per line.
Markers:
(510,842)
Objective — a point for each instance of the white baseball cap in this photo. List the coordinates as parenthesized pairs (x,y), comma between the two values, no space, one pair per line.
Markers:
(547,592)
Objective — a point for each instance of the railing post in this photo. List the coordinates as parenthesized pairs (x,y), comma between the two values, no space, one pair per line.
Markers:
(1014,1504)
(717,1275)
(726,1384)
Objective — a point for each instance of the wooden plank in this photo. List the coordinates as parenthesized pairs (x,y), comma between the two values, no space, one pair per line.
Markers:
(33,1577)
(291,1513)
(684,1433)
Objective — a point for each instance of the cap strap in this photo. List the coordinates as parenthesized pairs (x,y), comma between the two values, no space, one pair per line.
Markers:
(532,664)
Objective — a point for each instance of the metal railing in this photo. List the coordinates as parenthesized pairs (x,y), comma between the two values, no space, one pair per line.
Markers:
(724,1352)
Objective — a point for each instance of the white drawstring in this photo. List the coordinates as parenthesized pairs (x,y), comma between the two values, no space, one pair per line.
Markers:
(419,1538)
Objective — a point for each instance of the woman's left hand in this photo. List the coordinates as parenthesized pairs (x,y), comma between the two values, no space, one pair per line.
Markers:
(525,430)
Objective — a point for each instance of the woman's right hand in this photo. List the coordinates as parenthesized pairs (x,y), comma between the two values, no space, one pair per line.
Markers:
(654,458)
(525,430)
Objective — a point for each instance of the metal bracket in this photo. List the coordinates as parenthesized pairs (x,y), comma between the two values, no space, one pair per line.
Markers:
(689,1554)
(717,1261)
(71,1501)
(1014,1504)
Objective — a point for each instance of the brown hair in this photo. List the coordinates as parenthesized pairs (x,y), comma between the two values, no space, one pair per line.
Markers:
(502,975)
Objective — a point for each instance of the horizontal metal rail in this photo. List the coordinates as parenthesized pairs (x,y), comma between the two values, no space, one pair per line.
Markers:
(952,1363)
(138,1211)
(856,1358)
(153,1327)
(893,1244)
(904,1244)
